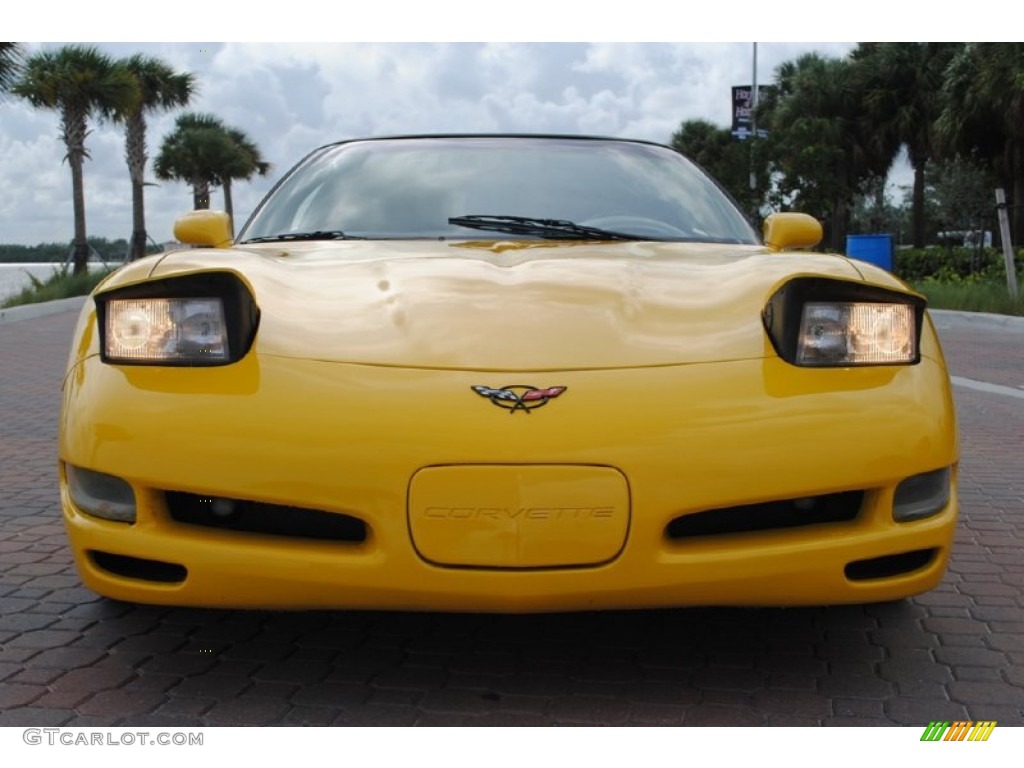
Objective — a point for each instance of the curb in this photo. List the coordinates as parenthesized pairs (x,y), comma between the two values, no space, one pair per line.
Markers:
(42,309)
(979,320)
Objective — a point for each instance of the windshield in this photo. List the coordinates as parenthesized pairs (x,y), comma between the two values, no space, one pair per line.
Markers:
(473,187)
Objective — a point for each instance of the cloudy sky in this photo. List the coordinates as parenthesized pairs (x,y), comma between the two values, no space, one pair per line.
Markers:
(291,97)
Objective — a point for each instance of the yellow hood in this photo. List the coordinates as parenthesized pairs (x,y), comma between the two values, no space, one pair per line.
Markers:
(509,306)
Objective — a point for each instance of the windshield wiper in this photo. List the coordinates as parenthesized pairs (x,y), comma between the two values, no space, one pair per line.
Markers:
(550,229)
(330,234)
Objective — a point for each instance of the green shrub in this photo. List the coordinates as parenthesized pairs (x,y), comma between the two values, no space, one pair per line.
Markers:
(913,264)
(61,284)
(974,293)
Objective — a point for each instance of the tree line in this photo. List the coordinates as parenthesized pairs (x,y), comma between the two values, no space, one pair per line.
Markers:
(835,125)
(81,83)
(107,250)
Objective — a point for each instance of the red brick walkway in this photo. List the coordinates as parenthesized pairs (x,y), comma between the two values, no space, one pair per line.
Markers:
(70,658)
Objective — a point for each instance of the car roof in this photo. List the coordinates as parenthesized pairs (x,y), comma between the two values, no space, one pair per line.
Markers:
(568,136)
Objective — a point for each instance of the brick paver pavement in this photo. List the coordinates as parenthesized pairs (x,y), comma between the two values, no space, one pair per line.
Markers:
(68,657)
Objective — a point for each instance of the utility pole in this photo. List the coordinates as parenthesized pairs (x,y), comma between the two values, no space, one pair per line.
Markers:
(753,122)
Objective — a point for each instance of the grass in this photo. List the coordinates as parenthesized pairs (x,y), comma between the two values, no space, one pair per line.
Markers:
(972,295)
(62,284)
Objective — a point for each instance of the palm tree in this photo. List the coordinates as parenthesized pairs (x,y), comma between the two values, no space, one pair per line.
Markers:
(10,64)
(160,88)
(818,141)
(725,158)
(983,115)
(203,152)
(194,152)
(77,81)
(902,85)
(243,163)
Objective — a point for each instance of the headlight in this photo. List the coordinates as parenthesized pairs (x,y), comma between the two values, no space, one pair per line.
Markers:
(818,322)
(157,330)
(207,318)
(842,333)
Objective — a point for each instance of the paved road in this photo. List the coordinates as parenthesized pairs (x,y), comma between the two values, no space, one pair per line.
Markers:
(70,658)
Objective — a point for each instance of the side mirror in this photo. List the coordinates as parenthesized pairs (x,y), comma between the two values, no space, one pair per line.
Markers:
(783,231)
(209,228)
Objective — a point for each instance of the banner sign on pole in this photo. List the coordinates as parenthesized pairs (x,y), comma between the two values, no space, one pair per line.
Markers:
(743,108)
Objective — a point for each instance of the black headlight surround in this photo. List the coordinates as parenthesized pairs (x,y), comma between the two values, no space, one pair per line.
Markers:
(241,315)
(784,310)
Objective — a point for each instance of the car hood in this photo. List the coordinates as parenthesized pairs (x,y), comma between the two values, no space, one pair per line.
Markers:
(509,306)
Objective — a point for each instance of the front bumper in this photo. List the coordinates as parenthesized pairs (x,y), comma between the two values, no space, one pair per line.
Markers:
(349,439)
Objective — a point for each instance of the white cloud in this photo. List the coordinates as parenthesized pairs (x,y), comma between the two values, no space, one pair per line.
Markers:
(293,97)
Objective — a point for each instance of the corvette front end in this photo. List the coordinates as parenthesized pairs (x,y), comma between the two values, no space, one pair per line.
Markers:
(294,482)
(575,417)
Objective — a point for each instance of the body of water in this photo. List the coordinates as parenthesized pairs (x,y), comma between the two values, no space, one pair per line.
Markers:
(14,277)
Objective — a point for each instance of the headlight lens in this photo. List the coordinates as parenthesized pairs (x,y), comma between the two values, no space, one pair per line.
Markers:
(101,495)
(820,322)
(198,319)
(846,333)
(922,495)
(183,330)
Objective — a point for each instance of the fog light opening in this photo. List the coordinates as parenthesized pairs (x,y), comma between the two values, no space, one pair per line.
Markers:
(223,509)
(100,495)
(247,516)
(890,566)
(139,568)
(922,495)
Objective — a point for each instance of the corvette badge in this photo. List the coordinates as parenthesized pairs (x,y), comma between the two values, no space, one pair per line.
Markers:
(519,397)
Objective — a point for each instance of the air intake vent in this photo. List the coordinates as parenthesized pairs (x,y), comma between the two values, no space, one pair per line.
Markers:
(269,519)
(769,516)
(138,568)
(890,565)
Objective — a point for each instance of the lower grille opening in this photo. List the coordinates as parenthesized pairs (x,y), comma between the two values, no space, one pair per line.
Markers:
(257,517)
(768,516)
(887,566)
(138,568)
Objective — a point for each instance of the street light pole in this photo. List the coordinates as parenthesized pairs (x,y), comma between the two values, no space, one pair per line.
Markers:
(753,122)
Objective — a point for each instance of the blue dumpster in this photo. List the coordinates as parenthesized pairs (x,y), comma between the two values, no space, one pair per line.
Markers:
(874,249)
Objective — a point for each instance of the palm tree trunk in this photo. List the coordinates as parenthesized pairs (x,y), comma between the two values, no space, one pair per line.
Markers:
(229,207)
(81,257)
(1017,210)
(135,155)
(918,206)
(839,226)
(1017,201)
(137,247)
(74,129)
(200,194)
(878,215)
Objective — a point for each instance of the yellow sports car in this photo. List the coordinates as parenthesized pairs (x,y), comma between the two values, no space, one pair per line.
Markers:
(505,373)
